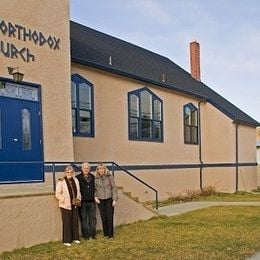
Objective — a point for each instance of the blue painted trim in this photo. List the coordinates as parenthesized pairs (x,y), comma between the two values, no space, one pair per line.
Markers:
(137,93)
(60,168)
(78,79)
(25,83)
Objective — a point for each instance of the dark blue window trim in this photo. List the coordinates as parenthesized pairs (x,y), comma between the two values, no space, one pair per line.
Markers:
(190,130)
(77,79)
(138,118)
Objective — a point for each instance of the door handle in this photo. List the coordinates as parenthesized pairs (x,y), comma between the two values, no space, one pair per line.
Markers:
(15,140)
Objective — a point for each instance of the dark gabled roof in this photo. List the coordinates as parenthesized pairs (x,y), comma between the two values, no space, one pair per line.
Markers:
(93,48)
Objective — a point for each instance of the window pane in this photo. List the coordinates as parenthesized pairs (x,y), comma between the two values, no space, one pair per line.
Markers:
(146,128)
(74,125)
(134,106)
(134,126)
(187,134)
(14,90)
(26,128)
(187,115)
(194,135)
(0,131)
(194,117)
(146,105)
(157,110)
(85,122)
(73,95)
(84,96)
(157,130)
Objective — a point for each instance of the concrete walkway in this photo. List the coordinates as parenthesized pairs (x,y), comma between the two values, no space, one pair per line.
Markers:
(181,208)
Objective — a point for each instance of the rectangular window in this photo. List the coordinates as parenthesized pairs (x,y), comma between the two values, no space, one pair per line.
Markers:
(26,128)
(85,122)
(134,128)
(73,95)
(146,128)
(194,135)
(157,130)
(74,124)
(187,134)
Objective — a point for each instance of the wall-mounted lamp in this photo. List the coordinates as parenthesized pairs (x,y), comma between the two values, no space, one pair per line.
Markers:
(18,76)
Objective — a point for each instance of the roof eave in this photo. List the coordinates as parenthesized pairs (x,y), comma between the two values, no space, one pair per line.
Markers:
(133,76)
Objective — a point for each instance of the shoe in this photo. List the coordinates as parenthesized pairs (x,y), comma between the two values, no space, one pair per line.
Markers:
(67,244)
(76,241)
(111,238)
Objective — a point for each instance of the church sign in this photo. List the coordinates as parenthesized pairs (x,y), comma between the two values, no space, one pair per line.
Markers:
(24,34)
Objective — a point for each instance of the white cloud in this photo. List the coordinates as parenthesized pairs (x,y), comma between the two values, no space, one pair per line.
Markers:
(154,10)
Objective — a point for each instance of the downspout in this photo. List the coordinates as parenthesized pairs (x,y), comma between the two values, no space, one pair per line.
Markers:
(200,150)
(237,124)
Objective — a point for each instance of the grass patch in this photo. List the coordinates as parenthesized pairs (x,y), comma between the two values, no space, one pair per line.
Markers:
(207,194)
(212,233)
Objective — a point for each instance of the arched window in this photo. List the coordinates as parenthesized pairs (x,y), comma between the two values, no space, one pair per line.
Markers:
(190,119)
(82,106)
(145,116)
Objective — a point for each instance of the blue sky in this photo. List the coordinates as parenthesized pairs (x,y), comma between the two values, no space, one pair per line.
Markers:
(228,32)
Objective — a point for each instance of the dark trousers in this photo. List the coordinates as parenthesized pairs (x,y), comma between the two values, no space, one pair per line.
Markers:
(107,214)
(88,219)
(70,225)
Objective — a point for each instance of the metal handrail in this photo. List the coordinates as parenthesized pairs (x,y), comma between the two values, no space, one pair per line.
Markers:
(141,181)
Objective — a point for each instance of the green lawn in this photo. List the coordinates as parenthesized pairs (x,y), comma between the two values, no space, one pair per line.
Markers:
(212,233)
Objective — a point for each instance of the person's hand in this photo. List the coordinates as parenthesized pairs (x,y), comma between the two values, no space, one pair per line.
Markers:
(114,203)
(97,200)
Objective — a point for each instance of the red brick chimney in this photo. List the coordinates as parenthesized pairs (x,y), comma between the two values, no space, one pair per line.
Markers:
(195,60)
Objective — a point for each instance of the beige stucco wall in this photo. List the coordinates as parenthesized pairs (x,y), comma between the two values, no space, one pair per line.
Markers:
(218,136)
(111,124)
(223,179)
(51,68)
(246,144)
(24,224)
(167,182)
(247,178)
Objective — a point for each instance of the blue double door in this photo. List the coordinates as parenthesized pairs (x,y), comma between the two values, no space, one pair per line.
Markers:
(21,158)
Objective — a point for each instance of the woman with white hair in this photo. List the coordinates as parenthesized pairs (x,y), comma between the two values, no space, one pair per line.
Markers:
(69,197)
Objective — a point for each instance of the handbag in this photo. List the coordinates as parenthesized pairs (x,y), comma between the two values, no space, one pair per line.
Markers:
(76,202)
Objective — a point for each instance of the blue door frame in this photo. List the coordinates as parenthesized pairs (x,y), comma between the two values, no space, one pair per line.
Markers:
(21,153)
